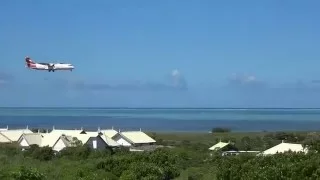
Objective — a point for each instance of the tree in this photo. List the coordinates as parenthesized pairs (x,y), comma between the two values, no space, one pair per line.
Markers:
(44,153)
(75,142)
(246,142)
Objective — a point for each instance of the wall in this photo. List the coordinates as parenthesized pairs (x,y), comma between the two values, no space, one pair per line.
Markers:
(59,145)
(100,143)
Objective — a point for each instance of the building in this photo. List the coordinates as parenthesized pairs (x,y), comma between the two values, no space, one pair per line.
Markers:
(59,139)
(56,141)
(284,147)
(62,142)
(224,146)
(26,140)
(106,135)
(93,141)
(133,138)
(12,135)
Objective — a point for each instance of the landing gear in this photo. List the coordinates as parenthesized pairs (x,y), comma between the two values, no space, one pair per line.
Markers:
(51,68)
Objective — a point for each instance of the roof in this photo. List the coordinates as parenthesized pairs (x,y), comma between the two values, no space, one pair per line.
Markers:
(92,133)
(4,139)
(284,147)
(109,141)
(67,140)
(78,131)
(219,145)
(4,129)
(33,138)
(105,137)
(137,137)
(84,137)
(109,132)
(66,132)
(15,134)
(50,139)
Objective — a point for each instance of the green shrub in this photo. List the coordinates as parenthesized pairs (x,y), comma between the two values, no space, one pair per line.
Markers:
(27,174)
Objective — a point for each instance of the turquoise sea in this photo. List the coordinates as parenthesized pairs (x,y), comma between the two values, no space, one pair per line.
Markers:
(162,119)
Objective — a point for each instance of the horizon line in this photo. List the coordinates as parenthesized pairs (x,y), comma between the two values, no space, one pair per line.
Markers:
(88,107)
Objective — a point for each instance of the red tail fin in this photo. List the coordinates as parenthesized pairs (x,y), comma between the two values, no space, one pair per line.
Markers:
(29,61)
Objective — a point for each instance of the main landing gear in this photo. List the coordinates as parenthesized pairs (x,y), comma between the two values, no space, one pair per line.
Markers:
(51,68)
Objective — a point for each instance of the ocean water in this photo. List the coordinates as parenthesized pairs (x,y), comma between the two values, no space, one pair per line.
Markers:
(200,120)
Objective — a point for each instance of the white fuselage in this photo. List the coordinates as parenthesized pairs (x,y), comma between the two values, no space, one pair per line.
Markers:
(52,66)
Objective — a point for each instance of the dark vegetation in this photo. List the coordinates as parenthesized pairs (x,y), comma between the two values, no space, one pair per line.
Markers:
(220,130)
(186,157)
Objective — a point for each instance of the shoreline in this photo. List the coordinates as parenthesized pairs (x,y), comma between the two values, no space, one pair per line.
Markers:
(165,132)
(164,120)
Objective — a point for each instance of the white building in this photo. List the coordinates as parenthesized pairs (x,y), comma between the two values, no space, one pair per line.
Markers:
(26,140)
(223,146)
(63,142)
(56,141)
(12,135)
(219,145)
(284,147)
(60,139)
(133,138)
(106,135)
(94,141)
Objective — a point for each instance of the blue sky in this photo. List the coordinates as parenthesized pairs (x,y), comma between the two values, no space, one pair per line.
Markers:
(162,53)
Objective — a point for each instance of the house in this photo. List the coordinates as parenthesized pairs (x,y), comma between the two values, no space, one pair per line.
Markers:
(60,139)
(105,135)
(28,139)
(133,138)
(93,141)
(224,146)
(56,141)
(284,147)
(13,134)
(62,142)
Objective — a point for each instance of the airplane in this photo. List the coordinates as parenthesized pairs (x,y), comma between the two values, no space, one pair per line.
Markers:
(47,66)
